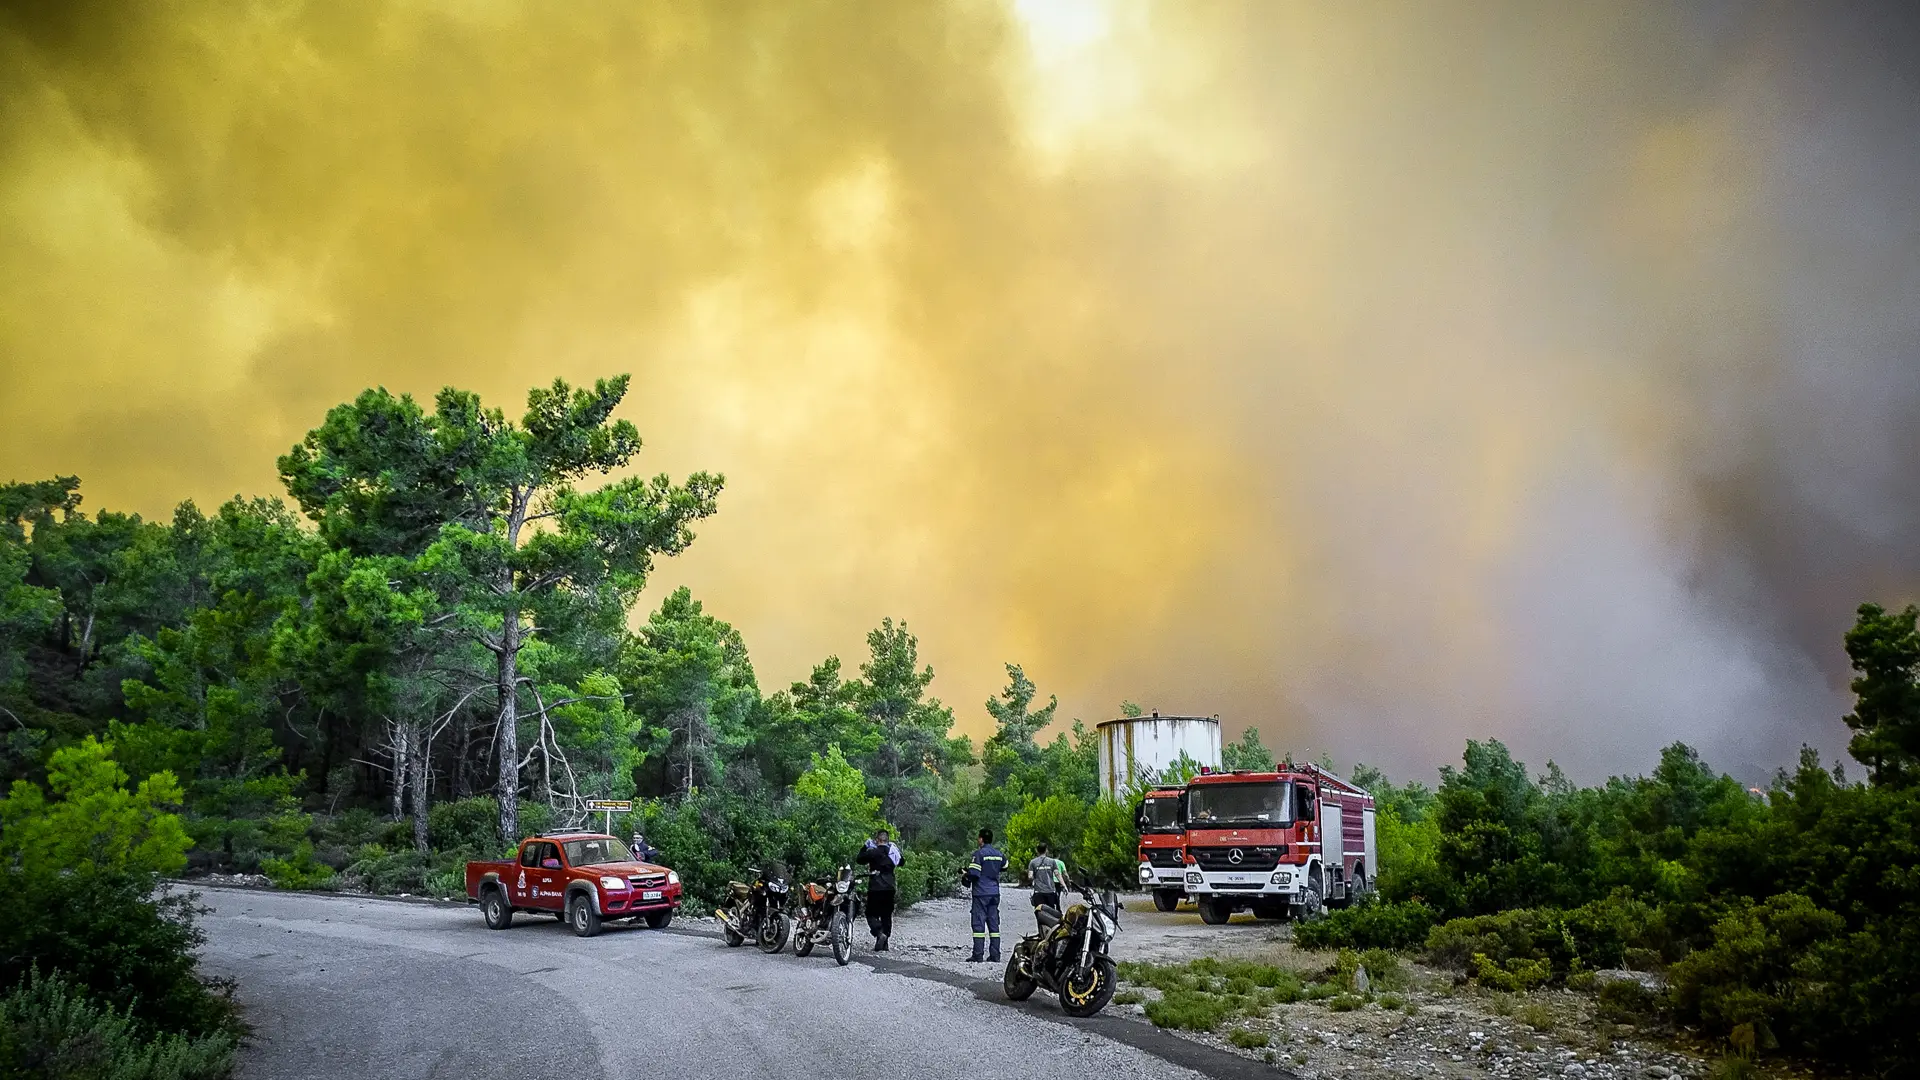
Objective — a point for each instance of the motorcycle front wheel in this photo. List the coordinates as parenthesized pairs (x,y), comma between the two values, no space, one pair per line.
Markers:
(841,931)
(1083,993)
(774,930)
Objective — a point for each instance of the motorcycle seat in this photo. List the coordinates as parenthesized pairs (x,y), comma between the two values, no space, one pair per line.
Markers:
(1049,918)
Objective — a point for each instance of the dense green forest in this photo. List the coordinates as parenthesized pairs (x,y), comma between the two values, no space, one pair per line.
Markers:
(438,644)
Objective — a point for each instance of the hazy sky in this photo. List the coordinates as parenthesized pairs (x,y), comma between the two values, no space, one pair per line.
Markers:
(1380,374)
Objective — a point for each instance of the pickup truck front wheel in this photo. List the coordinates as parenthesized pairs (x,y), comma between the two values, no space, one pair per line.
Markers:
(581,916)
(495,909)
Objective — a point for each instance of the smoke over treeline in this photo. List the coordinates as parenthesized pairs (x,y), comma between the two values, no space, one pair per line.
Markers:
(1380,376)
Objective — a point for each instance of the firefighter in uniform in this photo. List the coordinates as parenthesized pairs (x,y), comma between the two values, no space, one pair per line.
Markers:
(983,874)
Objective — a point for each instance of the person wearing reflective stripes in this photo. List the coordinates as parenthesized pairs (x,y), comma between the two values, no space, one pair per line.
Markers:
(983,876)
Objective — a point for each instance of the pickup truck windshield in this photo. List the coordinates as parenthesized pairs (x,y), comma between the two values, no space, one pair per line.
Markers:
(1162,813)
(599,850)
(1270,803)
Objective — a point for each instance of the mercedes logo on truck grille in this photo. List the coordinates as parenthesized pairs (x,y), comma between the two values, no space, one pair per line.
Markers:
(1234,856)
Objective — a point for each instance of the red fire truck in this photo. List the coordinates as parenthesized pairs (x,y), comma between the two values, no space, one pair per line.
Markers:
(1163,845)
(1283,844)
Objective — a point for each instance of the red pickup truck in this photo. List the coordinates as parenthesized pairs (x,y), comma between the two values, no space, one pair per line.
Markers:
(581,877)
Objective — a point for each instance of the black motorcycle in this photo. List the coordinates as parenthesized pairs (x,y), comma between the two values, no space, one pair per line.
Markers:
(756,912)
(1069,956)
(826,914)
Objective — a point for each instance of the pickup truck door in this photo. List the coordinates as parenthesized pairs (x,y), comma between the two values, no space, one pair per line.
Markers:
(537,884)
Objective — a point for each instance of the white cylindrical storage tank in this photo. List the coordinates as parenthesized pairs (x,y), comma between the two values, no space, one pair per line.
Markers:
(1135,749)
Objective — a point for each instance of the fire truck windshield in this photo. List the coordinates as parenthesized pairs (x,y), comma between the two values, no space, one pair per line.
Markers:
(1269,803)
(1161,813)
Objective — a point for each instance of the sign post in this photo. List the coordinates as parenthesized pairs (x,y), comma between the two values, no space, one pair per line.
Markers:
(607,807)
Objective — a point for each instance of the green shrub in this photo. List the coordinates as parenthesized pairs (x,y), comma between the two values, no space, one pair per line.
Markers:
(471,824)
(117,939)
(1384,969)
(298,871)
(1537,1016)
(1057,821)
(384,873)
(1774,968)
(1624,1001)
(1392,1001)
(1129,997)
(1248,1039)
(1512,976)
(50,1027)
(1190,1010)
(1372,924)
(927,875)
(1109,851)
(1344,1002)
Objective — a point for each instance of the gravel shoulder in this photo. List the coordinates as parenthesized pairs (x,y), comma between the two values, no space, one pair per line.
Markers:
(1434,1029)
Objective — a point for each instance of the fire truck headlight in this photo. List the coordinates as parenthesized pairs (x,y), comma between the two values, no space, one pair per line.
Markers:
(1193,877)
(1281,878)
(1146,872)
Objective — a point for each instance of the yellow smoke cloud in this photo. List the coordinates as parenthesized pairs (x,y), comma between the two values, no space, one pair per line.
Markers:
(1274,361)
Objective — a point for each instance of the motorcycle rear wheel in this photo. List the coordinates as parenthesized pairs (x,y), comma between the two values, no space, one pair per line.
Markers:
(1084,993)
(1016,982)
(841,931)
(803,937)
(734,937)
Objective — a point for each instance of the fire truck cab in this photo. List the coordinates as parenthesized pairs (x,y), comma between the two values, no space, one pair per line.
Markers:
(1283,844)
(1163,845)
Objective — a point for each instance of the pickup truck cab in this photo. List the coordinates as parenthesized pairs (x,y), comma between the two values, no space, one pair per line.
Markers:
(582,878)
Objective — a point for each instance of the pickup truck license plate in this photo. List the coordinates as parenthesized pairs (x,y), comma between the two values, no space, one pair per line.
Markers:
(650,894)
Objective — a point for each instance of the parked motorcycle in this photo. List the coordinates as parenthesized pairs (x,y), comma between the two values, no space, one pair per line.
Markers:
(756,912)
(826,914)
(1068,957)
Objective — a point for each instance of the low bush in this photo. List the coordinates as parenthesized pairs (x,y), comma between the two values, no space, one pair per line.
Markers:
(380,871)
(1345,1002)
(1372,924)
(1129,997)
(1191,1010)
(51,1028)
(113,937)
(1520,934)
(1384,970)
(1624,1001)
(1248,1039)
(1537,1016)
(298,871)
(471,824)
(1513,975)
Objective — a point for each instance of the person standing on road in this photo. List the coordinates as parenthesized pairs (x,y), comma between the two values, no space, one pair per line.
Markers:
(1049,877)
(983,875)
(881,858)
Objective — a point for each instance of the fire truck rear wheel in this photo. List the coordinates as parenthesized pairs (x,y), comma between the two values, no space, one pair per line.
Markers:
(1165,899)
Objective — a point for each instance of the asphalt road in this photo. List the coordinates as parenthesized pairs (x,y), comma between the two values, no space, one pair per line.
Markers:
(361,987)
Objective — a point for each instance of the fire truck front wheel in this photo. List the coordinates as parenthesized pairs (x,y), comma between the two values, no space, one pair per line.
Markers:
(1213,911)
(1166,899)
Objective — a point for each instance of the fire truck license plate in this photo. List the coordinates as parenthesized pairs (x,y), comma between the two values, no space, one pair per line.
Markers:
(650,894)
(1236,877)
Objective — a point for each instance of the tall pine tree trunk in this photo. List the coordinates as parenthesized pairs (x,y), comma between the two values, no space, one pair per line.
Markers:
(507,788)
(399,740)
(417,780)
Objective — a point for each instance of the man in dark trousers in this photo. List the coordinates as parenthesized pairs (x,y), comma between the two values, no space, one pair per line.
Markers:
(983,874)
(881,858)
